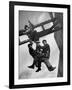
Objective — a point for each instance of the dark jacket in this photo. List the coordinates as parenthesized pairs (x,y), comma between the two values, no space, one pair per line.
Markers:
(33,35)
(38,48)
(31,50)
(46,50)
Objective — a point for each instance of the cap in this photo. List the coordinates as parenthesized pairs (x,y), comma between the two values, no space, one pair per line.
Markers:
(25,26)
(37,42)
(29,45)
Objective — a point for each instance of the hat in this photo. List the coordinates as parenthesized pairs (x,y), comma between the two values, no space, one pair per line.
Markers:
(37,42)
(25,26)
(29,45)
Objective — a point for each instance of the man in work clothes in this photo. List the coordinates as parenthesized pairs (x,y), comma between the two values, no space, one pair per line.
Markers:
(46,55)
(36,56)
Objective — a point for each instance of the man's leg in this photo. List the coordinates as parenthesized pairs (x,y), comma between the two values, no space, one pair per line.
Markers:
(39,58)
(32,66)
(34,63)
(39,66)
(47,63)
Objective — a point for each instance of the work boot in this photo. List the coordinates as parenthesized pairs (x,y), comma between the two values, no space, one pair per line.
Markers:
(51,68)
(32,66)
(38,69)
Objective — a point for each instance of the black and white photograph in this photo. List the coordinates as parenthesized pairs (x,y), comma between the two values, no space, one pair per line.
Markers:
(40,44)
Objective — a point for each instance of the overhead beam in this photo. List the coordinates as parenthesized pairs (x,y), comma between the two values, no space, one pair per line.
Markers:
(43,33)
(22,32)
